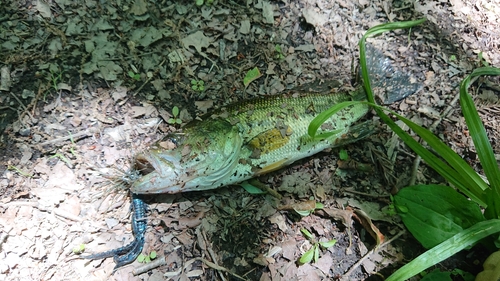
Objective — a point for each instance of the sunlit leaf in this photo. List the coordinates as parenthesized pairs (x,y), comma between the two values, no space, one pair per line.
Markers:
(306,233)
(251,75)
(328,244)
(455,244)
(307,256)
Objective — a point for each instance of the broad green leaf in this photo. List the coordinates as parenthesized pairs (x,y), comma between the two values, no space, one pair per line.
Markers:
(251,75)
(455,244)
(435,212)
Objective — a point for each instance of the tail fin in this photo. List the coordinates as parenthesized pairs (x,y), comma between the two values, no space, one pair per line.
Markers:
(388,83)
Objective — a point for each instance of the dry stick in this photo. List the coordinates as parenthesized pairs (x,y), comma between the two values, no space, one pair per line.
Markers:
(212,254)
(365,194)
(22,105)
(416,162)
(372,251)
(86,133)
(42,208)
(147,80)
(5,234)
(148,266)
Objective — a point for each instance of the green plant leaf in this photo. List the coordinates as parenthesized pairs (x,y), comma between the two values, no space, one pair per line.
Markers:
(251,75)
(79,249)
(141,258)
(252,189)
(481,141)
(303,213)
(328,244)
(306,233)
(458,242)
(316,253)
(343,154)
(307,256)
(152,255)
(434,213)
(175,111)
(456,171)
(437,275)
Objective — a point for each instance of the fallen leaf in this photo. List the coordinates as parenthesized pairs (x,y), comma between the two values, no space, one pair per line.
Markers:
(267,12)
(280,221)
(313,17)
(367,223)
(203,106)
(198,40)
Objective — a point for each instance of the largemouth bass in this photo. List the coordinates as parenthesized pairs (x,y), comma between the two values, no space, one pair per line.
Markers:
(247,139)
(244,140)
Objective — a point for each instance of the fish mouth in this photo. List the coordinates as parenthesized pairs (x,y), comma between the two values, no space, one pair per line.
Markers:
(158,174)
(143,165)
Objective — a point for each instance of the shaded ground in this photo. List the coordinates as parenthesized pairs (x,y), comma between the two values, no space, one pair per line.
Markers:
(86,86)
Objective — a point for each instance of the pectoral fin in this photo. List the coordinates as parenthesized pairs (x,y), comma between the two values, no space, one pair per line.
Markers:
(272,167)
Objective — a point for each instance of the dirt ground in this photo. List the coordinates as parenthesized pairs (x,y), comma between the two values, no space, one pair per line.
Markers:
(85,85)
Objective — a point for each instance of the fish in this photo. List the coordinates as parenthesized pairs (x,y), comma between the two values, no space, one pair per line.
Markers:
(245,140)
(233,144)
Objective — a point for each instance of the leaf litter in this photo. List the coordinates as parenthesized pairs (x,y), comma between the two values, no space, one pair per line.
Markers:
(93,118)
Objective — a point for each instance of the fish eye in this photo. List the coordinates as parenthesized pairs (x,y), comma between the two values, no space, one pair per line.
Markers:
(170,142)
(174,140)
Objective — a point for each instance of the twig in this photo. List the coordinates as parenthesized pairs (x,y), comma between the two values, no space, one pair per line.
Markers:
(374,250)
(5,234)
(265,187)
(212,254)
(446,112)
(148,266)
(87,133)
(365,194)
(22,105)
(147,80)
(66,215)
(42,208)
(218,267)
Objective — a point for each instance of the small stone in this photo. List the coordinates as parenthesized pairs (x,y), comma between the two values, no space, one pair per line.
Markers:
(25,132)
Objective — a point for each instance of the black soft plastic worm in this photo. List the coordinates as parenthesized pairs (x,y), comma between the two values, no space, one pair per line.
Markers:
(128,253)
